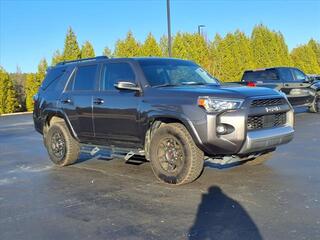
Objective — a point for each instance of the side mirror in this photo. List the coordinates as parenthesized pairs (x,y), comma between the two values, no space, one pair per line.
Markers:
(127,86)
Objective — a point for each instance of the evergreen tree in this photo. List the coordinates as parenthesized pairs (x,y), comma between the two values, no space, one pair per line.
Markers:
(269,48)
(150,47)
(163,44)
(87,50)
(71,48)
(128,47)
(3,89)
(8,96)
(305,59)
(56,58)
(192,47)
(107,52)
(33,82)
(30,90)
(315,46)
(11,104)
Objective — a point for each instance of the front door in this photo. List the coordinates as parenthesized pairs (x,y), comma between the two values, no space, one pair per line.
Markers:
(115,112)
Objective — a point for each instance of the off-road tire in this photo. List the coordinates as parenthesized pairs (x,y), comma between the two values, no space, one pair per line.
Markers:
(72,147)
(192,164)
(259,160)
(315,107)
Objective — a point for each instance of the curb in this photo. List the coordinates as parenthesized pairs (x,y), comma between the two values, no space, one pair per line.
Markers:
(12,114)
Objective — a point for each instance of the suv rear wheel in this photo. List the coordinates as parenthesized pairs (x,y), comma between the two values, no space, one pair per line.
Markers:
(175,158)
(315,107)
(63,149)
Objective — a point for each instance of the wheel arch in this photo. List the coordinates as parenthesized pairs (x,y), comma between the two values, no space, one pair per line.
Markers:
(158,120)
(52,116)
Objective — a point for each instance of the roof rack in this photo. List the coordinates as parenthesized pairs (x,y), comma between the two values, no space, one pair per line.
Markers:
(82,60)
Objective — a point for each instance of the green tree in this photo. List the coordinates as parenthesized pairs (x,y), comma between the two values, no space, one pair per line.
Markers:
(8,96)
(87,50)
(163,44)
(150,47)
(128,47)
(56,58)
(315,46)
(4,78)
(107,52)
(305,59)
(192,47)
(30,90)
(71,49)
(269,48)
(33,82)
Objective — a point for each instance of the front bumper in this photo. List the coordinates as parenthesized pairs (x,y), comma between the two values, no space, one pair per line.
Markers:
(266,139)
(242,141)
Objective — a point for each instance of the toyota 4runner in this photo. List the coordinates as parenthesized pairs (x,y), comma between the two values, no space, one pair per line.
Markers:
(170,111)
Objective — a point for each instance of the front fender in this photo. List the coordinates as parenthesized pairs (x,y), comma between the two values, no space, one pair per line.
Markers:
(154,115)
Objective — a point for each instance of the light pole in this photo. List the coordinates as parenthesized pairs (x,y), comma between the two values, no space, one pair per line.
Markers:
(169,27)
(199,28)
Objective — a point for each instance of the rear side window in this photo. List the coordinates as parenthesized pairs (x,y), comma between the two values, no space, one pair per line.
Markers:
(85,78)
(53,75)
(268,74)
(113,73)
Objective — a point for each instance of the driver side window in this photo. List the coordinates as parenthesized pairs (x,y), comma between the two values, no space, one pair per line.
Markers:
(113,73)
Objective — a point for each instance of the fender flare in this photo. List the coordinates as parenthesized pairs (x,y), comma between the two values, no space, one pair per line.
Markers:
(48,113)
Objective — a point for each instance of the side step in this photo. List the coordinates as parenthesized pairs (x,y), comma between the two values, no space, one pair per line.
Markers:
(110,152)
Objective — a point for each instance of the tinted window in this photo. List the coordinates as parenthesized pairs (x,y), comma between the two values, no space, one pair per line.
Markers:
(268,74)
(115,72)
(85,78)
(53,75)
(286,74)
(298,75)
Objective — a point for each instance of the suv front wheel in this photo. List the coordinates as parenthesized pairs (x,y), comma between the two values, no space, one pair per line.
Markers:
(63,149)
(175,158)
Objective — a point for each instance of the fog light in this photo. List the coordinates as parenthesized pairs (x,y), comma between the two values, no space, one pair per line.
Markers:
(221,129)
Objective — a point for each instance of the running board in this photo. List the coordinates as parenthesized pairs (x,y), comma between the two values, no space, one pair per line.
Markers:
(110,152)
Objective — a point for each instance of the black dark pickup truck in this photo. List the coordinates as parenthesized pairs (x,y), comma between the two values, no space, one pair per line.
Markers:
(298,87)
(170,111)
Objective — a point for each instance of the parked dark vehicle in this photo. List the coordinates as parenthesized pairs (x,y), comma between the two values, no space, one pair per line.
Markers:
(170,111)
(314,77)
(299,88)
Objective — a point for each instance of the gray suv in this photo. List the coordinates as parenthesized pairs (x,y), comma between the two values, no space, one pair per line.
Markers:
(170,111)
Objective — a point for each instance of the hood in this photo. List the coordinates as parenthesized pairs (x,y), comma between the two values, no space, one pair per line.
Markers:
(220,91)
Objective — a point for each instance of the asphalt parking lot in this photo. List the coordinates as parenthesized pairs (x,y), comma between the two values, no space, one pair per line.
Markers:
(100,199)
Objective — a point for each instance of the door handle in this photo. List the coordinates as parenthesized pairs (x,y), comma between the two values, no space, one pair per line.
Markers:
(66,101)
(287,85)
(98,101)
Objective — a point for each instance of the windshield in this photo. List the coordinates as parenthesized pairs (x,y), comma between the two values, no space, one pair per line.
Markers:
(174,72)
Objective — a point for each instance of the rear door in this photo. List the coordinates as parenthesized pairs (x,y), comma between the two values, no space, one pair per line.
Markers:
(76,101)
(295,86)
(115,112)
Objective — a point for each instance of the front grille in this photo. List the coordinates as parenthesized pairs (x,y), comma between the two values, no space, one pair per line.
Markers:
(266,121)
(268,102)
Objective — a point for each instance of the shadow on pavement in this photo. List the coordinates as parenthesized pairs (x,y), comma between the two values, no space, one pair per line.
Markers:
(220,217)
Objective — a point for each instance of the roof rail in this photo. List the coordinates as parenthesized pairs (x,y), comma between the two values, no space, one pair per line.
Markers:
(82,60)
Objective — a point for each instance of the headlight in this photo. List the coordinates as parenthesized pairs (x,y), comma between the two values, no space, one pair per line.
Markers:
(211,104)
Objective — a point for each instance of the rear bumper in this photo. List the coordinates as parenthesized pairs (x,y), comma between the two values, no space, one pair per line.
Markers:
(266,139)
